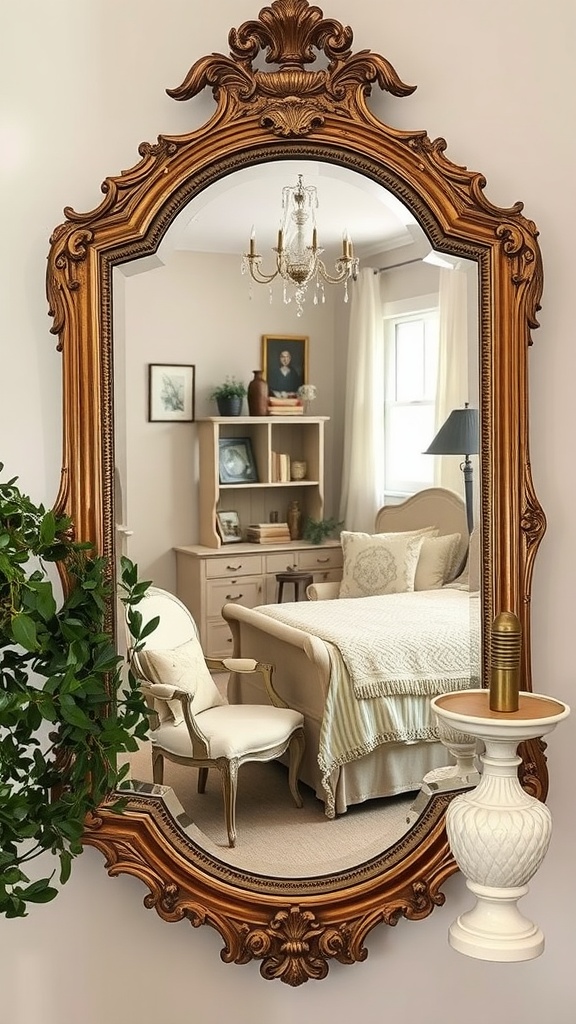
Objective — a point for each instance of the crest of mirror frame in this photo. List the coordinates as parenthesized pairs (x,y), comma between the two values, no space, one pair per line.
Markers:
(296,926)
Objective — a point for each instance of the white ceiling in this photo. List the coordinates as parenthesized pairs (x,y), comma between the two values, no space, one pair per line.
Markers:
(222,217)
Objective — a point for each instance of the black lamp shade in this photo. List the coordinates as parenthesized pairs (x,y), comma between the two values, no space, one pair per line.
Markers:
(458,435)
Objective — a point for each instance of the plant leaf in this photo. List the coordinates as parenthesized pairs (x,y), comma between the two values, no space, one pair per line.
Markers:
(24,632)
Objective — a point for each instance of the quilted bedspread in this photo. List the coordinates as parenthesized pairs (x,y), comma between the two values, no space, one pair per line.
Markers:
(419,643)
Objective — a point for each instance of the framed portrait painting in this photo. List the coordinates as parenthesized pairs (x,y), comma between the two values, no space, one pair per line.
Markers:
(285,363)
(236,463)
(228,524)
(171,393)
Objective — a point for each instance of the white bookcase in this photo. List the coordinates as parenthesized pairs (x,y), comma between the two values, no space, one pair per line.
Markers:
(300,437)
(210,574)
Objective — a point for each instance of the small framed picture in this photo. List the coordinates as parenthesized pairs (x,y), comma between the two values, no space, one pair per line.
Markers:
(285,363)
(170,393)
(236,461)
(228,524)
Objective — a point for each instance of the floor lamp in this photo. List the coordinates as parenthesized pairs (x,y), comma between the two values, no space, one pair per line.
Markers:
(459,436)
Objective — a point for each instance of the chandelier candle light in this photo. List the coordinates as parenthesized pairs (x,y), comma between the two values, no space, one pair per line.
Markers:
(297,252)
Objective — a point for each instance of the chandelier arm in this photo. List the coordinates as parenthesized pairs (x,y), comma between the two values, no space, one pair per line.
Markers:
(257,275)
(343,274)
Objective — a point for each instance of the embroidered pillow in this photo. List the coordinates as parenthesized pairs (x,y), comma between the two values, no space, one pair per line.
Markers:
(438,561)
(185,668)
(379,563)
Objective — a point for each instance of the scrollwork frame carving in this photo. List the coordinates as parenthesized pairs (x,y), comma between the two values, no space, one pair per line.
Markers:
(295,927)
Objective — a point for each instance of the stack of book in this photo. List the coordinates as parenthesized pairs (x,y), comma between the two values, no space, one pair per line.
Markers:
(268,533)
(285,406)
(280,466)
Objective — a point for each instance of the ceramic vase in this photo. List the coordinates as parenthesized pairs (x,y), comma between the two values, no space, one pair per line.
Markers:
(298,470)
(294,520)
(258,395)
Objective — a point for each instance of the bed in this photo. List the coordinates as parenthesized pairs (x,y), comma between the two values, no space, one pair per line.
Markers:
(363,666)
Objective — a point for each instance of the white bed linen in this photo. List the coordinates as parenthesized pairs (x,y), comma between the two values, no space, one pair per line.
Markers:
(355,749)
(416,643)
(387,702)
(353,728)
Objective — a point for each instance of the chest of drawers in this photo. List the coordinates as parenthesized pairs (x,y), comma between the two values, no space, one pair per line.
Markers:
(207,578)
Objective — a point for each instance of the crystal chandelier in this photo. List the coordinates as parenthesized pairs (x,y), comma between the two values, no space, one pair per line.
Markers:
(298,254)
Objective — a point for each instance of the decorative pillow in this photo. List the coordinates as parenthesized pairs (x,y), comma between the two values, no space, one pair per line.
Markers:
(184,667)
(438,561)
(474,556)
(379,563)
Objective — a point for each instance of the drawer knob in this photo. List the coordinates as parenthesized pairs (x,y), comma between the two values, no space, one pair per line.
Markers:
(322,561)
(234,568)
(233,597)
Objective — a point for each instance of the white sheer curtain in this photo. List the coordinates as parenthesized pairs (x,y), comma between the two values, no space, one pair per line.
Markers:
(363,456)
(452,385)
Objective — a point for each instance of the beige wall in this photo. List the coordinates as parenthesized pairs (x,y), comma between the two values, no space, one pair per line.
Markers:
(198,309)
(84,85)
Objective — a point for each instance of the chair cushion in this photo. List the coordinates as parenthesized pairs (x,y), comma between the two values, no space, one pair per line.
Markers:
(379,563)
(437,562)
(233,730)
(184,667)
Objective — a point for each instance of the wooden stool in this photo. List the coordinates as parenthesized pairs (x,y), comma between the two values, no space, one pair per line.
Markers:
(301,580)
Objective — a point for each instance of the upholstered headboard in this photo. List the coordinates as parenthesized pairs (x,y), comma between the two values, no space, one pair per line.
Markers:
(435,506)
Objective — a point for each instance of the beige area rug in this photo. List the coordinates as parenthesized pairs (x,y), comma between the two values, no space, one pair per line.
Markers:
(274,837)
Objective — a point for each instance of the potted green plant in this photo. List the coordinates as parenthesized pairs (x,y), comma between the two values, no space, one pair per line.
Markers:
(60,731)
(317,530)
(229,397)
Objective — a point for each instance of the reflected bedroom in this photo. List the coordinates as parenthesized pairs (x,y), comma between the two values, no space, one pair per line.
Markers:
(362,627)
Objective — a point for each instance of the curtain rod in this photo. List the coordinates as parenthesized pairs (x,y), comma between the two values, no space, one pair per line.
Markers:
(394,266)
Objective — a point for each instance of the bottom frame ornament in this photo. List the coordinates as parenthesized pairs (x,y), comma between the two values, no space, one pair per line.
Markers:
(295,927)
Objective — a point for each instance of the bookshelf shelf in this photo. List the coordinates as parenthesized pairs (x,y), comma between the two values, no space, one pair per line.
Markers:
(299,438)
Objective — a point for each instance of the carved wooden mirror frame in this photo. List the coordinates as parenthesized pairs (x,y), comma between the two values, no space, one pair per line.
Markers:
(295,926)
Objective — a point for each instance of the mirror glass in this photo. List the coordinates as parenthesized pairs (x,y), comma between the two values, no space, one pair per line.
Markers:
(189,304)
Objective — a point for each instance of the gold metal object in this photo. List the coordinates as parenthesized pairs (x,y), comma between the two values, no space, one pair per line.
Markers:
(505,670)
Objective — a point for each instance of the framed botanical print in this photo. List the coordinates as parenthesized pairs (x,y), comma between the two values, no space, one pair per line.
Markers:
(170,393)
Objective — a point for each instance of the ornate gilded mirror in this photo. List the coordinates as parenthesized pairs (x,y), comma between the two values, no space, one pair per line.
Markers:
(295,924)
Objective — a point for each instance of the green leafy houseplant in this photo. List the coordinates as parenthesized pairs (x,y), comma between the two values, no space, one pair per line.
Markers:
(231,388)
(60,733)
(317,530)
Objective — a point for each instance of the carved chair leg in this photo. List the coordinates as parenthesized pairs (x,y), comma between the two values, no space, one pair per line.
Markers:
(229,776)
(157,766)
(202,779)
(296,753)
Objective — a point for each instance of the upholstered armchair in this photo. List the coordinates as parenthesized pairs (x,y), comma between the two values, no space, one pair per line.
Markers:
(191,723)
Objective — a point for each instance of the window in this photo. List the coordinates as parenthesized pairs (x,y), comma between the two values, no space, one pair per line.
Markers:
(411,357)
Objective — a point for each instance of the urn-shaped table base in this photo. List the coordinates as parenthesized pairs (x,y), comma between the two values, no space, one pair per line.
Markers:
(498,834)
